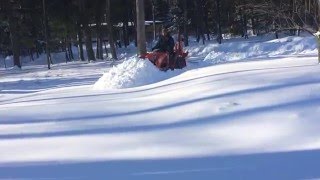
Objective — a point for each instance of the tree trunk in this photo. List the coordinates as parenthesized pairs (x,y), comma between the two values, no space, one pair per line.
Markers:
(141,38)
(219,22)
(253,23)
(154,21)
(125,33)
(198,34)
(31,54)
(185,25)
(66,50)
(206,24)
(70,49)
(196,17)
(105,47)
(199,21)
(87,31)
(99,52)
(318,14)
(80,44)
(125,24)
(97,48)
(134,19)
(45,24)
(88,42)
(253,26)
(110,32)
(245,27)
(15,43)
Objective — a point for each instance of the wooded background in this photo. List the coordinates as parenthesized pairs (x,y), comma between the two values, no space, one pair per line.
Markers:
(32,27)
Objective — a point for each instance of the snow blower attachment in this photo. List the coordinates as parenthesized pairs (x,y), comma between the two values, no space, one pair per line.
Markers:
(164,61)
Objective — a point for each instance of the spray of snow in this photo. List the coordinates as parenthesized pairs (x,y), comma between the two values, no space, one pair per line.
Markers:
(132,73)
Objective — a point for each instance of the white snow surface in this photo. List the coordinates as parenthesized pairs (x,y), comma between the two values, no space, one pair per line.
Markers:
(255,119)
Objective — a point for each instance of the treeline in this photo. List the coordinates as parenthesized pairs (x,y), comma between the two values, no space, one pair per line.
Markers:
(33,27)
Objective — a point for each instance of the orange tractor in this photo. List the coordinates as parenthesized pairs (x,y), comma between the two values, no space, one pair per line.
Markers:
(164,61)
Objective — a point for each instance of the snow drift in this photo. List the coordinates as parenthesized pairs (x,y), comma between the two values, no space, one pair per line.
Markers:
(132,73)
(255,47)
(135,72)
(247,50)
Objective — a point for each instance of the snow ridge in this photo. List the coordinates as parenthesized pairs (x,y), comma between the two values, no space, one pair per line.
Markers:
(132,73)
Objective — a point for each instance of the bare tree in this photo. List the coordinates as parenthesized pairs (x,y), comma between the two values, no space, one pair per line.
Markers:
(79,40)
(98,18)
(286,16)
(141,38)
(87,30)
(125,22)
(185,24)
(45,25)
(219,38)
(110,32)
(154,20)
(14,34)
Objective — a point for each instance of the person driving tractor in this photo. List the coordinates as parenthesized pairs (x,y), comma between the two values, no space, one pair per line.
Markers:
(165,55)
(165,43)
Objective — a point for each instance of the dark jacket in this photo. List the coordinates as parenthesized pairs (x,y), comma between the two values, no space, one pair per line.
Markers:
(165,44)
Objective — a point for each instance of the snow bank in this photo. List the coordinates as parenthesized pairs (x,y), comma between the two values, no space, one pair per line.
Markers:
(255,47)
(235,51)
(57,57)
(132,73)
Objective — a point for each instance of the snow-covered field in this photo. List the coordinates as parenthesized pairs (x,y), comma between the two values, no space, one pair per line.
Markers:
(241,110)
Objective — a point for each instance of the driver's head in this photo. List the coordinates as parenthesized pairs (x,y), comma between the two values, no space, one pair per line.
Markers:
(164,31)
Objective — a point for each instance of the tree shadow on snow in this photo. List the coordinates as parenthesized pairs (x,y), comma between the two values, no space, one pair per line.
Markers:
(277,165)
(183,123)
(152,90)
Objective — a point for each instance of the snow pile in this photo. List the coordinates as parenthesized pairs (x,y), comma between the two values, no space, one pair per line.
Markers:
(132,73)
(256,47)
(247,50)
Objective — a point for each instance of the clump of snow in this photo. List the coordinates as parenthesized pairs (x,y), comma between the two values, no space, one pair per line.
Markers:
(132,73)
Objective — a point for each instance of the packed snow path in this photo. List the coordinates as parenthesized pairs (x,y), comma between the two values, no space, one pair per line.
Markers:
(249,120)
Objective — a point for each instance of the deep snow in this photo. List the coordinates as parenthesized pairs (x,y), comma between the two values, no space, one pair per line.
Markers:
(135,72)
(255,119)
